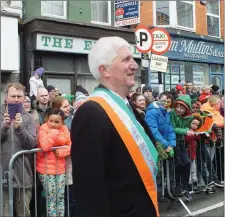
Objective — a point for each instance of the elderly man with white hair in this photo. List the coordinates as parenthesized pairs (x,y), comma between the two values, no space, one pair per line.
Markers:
(114,160)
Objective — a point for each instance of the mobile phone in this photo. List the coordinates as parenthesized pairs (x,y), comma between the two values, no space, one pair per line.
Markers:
(12,110)
(19,108)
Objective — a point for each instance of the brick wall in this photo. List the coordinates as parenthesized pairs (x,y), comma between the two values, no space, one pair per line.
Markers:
(201,18)
(146,9)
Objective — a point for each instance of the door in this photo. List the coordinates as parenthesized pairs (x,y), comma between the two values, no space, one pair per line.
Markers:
(217,79)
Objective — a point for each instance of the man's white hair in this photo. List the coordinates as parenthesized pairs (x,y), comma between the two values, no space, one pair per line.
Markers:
(103,52)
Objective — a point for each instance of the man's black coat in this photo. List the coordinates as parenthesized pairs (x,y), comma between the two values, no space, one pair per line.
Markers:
(106,181)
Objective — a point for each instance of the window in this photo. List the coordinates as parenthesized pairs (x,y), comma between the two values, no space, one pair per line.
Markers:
(176,14)
(54,8)
(162,13)
(101,12)
(213,18)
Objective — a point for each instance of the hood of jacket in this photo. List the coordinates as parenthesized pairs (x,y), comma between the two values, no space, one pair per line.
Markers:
(186,101)
(155,105)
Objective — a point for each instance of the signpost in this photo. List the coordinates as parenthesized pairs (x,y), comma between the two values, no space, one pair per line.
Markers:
(127,13)
(158,41)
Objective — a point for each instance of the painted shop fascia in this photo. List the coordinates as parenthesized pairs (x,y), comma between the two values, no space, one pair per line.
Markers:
(181,48)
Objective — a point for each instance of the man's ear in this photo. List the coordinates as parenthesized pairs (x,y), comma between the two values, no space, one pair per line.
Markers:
(103,70)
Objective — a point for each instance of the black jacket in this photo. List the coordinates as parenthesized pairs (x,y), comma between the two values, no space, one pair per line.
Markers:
(106,181)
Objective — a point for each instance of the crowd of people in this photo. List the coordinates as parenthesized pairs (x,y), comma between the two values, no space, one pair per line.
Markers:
(112,141)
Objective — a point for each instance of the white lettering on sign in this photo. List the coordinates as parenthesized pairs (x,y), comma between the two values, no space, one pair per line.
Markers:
(158,63)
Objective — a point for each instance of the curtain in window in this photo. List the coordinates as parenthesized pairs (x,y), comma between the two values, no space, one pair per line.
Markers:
(99,11)
(53,7)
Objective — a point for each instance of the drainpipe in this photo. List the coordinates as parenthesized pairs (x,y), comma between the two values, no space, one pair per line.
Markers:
(21,47)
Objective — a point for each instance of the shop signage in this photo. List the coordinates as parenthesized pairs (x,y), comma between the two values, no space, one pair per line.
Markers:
(196,50)
(180,49)
(127,13)
(69,44)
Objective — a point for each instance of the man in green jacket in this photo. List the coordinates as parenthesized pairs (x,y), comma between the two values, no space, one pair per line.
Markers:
(180,118)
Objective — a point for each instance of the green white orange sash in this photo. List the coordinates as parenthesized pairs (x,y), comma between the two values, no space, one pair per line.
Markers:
(140,147)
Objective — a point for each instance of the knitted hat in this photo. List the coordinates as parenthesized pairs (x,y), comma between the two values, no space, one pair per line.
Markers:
(39,71)
(50,88)
(145,88)
(79,88)
(179,87)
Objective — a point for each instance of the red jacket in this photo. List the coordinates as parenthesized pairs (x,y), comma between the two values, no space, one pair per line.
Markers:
(204,97)
(48,138)
(191,143)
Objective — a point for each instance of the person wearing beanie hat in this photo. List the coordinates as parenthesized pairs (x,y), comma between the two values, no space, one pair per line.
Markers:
(180,118)
(51,92)
(36,82)
(147,91)
(79,88)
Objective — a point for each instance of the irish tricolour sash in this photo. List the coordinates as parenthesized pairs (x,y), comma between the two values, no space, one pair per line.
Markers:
(134,137)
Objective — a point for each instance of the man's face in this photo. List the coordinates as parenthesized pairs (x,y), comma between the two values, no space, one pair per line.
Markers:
(147,93)
(180,109)
(43,96)
(14,96)
(188,87)
(122,70)
(57,91)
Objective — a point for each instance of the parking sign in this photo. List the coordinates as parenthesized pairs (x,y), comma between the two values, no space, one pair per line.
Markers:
(143,39)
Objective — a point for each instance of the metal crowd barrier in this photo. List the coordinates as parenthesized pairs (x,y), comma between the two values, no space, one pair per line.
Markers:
(35,194)
(210,167)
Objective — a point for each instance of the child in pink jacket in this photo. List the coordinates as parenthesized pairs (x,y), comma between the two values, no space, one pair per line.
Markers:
(51,165)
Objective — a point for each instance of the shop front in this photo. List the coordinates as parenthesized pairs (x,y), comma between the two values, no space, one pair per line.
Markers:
(193,59)
(65,56)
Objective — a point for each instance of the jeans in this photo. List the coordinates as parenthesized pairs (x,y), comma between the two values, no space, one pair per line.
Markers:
(183,164)
(205,164)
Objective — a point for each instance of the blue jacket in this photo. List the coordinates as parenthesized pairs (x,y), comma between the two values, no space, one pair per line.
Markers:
(158,120)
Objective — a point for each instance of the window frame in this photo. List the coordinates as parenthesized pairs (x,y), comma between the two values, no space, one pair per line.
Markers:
(173,16)
(56,16)
(109,16)
(216,16)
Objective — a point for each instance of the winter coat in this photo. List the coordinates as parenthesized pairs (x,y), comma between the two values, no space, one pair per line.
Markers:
(181,124)
(191,144)
(158,120)
(41,112)
(34,85)
(216,116)
(15,140)
(48,138)
(204,97)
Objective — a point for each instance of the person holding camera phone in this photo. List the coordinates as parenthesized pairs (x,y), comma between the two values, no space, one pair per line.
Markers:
(18,133)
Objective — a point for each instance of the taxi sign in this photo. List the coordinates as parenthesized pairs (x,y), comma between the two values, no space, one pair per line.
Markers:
(161,41)
(143,39)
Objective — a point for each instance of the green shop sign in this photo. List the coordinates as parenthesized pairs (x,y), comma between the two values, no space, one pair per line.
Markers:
(69,45)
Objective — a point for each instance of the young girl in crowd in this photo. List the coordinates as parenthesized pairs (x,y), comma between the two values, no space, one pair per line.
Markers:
(51,165)
(191,145)
(138,100)
(205,94)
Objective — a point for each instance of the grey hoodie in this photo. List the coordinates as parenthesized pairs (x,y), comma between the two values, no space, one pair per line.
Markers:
(24,139)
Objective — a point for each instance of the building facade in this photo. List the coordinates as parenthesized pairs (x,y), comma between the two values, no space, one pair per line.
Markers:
(57,35)
(10,42)
(196,28)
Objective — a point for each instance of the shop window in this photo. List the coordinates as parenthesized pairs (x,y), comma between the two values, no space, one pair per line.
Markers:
(54,8)
(101,12)
(215,68)
(177,14)
(64,84)
(213,18)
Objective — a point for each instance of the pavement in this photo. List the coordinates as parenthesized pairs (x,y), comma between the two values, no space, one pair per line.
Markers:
(201,205)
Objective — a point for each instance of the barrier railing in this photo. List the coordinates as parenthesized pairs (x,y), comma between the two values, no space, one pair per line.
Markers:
(209,170)
(209,164)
